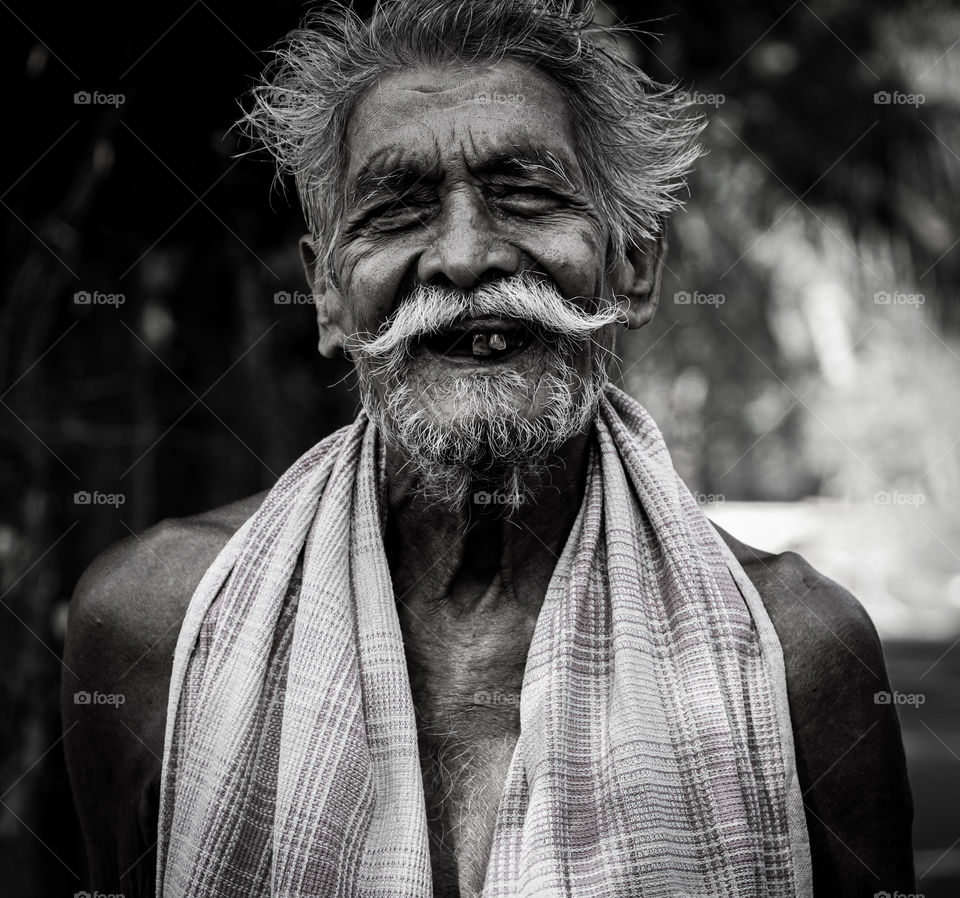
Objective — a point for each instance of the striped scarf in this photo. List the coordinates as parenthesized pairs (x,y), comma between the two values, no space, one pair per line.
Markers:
(655,754)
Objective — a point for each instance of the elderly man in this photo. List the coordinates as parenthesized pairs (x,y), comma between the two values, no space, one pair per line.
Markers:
(481,641)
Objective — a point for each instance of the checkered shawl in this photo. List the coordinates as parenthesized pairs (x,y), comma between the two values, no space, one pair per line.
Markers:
(655,755)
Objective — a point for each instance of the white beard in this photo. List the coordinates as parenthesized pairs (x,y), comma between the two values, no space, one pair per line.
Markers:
(490,445)
(490,453)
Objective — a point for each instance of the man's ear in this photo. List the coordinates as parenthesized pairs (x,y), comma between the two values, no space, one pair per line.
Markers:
(637,277)
(331,309)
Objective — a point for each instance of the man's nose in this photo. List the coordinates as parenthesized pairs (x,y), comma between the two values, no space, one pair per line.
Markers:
(468,248)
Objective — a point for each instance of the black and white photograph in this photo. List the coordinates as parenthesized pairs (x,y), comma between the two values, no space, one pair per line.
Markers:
(481,449)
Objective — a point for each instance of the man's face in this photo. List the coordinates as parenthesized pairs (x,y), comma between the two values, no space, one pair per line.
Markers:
(461,178)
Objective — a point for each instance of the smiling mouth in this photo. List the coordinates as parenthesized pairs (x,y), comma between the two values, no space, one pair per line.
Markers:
(480,341)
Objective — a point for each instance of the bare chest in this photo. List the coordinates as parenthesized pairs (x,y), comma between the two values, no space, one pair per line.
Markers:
(465,677)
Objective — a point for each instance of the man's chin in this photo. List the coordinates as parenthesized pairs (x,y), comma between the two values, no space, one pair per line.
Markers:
(460,417)
(491,431)
(471,451)
(482,397)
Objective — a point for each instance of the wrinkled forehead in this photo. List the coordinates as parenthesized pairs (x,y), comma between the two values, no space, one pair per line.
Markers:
(450,116)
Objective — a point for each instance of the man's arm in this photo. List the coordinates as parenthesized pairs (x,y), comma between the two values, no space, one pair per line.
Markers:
(849,748)
(124,621)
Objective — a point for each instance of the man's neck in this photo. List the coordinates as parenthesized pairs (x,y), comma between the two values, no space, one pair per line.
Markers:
(451,557)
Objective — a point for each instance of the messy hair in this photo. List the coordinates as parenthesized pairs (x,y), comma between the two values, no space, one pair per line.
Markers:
(635,138)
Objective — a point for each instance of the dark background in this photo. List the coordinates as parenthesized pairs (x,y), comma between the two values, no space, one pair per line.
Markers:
(801,385)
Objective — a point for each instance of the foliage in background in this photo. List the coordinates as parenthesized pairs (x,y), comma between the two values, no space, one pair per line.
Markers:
(827,221)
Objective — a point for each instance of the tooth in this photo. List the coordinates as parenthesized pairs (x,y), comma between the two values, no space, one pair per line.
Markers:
(498,341)
(481,346)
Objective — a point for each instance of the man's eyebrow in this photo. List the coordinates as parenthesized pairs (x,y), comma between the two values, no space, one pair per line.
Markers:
(391,172)
(528,162)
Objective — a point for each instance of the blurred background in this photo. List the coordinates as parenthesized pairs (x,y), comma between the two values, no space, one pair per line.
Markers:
(804,364)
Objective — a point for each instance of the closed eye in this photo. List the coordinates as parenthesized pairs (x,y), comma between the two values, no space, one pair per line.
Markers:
(398,213)
(525,197)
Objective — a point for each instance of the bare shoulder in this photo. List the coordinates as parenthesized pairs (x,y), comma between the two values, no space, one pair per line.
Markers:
(122,630)
(138,588)
(132,598)
(818,621)
(849,749)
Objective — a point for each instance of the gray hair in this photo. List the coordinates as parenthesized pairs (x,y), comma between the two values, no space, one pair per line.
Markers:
(635,138)
(487,442)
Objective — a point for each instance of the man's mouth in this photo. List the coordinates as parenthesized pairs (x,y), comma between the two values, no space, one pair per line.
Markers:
(480,340)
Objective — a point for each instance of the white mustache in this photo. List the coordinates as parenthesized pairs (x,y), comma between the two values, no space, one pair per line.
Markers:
(430,309)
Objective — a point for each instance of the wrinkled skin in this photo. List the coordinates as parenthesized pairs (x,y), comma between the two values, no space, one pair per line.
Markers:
(470,583)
